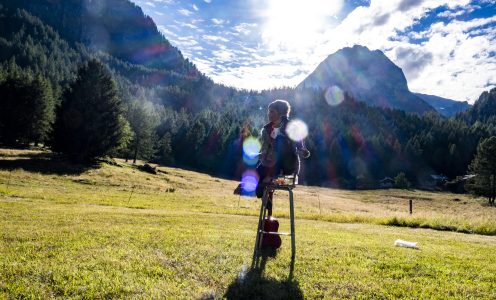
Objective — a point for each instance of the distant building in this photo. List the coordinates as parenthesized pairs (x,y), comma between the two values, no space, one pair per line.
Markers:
(458,184)
(439,180)
(469,176)
(432,182)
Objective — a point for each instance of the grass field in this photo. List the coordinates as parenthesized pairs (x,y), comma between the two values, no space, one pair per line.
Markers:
(117,232)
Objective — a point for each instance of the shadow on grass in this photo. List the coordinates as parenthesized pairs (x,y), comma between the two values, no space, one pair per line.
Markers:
(45,163)
(255,285)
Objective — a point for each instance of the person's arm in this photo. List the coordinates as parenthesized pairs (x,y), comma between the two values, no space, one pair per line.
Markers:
(302,150)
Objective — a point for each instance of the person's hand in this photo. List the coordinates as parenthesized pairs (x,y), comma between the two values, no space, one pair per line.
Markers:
(267,179)
(304,152)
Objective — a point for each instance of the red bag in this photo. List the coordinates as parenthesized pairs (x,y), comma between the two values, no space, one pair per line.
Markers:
(271,240)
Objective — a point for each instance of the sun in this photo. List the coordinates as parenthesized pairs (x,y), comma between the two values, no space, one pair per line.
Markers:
(297,23)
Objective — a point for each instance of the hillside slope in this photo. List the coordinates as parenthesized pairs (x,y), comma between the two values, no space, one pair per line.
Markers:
(116,27)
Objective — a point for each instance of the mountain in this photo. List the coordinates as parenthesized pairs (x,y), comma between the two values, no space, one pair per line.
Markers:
(53,38)
(116,27)
(484,109)
(369,76)
(445,107)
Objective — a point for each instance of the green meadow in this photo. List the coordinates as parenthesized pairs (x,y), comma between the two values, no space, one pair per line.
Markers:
(114,231)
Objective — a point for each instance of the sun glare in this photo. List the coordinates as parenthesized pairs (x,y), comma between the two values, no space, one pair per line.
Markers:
(297,130)
(296,23)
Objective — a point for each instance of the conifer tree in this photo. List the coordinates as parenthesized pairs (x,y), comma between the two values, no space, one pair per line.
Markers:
(90,122)
(27,109)
(43,110)
(143,124)
(484,167)
(401,182)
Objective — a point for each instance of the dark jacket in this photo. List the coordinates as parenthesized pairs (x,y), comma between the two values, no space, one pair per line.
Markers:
(280,154)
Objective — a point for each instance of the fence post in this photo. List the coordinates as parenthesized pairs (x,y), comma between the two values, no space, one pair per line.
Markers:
(411,206)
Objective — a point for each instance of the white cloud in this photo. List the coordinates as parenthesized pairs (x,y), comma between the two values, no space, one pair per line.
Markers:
(218,21)
(204,65)
(215,38)
(190,26)
(185,41)
(450,14)
(168,33)
(248,77)
(291,39)
(413,58)
(462,66)
(406,5)
(208,1)
(150,4)
(245,28)
(185,12)
(224,55)
(195,7)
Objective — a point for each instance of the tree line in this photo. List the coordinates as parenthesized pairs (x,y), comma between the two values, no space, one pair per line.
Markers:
(355,145)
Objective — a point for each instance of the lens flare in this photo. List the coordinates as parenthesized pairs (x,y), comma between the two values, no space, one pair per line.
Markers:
(251,146)
(297,130)
(250,161)
(334,95)
(251,150)
(249,181)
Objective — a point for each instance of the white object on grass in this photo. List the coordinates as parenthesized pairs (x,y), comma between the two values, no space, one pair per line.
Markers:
(242,274)
(407,244)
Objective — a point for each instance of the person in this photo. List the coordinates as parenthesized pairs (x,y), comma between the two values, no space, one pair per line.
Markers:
(279,155)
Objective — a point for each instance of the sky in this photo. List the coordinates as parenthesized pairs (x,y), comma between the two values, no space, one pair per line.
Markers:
(445,48)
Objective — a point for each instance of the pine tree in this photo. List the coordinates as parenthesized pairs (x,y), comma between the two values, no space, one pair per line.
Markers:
(13,104)
(401,182)
(90,122)
(27,109)
(143,124)
(43,110)
(484,167)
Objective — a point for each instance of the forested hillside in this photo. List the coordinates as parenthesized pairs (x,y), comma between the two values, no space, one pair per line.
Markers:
(116,27)
(176,115)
